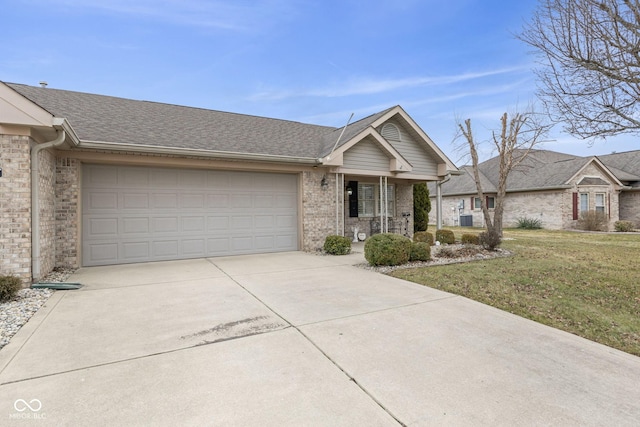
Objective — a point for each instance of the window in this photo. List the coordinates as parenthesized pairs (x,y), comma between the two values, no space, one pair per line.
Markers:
(600,202)
(584,202)
(369,200)
(491,202)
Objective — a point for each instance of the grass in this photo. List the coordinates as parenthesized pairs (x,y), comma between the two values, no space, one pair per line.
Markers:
(584,283)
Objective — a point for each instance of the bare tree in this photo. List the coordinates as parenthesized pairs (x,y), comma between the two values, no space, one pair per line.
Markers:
(589,52)
(517,137)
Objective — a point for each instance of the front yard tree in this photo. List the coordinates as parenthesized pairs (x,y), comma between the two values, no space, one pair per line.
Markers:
(517,137)
(589,52)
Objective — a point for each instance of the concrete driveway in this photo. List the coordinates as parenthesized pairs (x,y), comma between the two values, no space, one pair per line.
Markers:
(298,339)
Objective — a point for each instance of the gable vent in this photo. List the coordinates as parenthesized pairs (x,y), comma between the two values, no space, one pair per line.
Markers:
(390,132)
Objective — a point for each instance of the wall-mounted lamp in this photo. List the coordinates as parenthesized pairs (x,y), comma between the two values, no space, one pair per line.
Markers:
(324,184)
(349,191)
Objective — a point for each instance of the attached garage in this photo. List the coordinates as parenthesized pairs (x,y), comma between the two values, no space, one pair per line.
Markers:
(139,214)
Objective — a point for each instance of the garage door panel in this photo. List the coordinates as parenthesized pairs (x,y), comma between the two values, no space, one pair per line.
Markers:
(135,251)
(100,201)
(193,224)
(217,223)
(134,177)
(135,214)
(135,225)
(135,201)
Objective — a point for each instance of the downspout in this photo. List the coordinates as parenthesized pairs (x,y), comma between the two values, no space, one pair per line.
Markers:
(439,201)
(35,200)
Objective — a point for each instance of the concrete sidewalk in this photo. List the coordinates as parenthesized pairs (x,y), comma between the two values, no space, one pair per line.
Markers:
(298,339)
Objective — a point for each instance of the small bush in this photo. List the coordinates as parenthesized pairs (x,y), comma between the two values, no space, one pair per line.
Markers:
(490,239)
(470,239)
(424,237)
(529,223)
(623,226)
(420,251)
(446,252)
(592,221)
(9,287)
(445,237)
(387,249)
(337,245)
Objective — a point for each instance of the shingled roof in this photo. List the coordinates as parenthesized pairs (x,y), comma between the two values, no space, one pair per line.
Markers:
(99,118)
(542,170)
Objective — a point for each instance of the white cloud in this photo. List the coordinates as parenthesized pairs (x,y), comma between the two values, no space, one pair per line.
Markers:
(225,15)
(370,86)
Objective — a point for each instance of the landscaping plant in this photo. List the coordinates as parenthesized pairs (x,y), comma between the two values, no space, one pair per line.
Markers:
(9,287)
(387,249)
(337,245)
(423,236)
(420,251)
(446,237)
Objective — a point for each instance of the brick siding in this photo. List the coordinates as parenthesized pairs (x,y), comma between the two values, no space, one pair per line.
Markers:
(15,207)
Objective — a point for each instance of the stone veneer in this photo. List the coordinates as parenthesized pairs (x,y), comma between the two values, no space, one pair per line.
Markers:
(15,206)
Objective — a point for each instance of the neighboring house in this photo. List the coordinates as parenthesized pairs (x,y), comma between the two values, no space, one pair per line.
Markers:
(95,180)
(552,187)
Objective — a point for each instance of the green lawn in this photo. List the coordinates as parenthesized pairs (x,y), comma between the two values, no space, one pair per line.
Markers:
(583,283)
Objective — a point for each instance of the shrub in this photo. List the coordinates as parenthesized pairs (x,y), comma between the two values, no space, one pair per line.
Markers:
(420,251)
(337,245)
(490,239)
(470,239)
(623,226)
(445,236)
(423,236)
(387,249)
(592,221)
(529,223)
(421,206)
(9,287)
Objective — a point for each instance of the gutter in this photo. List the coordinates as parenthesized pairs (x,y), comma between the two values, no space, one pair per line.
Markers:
(231,155)
(35,194)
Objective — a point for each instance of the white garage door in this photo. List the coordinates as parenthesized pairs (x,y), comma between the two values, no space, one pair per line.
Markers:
(138,214)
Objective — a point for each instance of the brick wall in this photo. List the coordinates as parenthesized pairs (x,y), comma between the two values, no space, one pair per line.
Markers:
(630,207)
(46,183)
(66,212)
(15,207)
(318,210)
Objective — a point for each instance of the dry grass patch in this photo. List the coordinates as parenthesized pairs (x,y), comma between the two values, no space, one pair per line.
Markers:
(587,284)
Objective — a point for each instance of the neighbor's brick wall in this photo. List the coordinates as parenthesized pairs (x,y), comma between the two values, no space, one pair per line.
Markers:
(46,183)
(318,210)
(549,207)
(66,212)
(630,207)
(15,207)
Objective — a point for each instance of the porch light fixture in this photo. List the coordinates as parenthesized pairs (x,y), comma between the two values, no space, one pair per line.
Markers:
(324,184)
(349,191)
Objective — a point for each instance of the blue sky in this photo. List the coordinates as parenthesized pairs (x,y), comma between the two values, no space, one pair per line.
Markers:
(309,61)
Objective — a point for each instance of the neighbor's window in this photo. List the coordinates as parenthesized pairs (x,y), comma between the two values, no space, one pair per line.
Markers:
(584,202)
(369,200)
(600,202)
(491,202)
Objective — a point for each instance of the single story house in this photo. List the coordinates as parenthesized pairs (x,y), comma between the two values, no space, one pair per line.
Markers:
(91,180)
(552,187)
